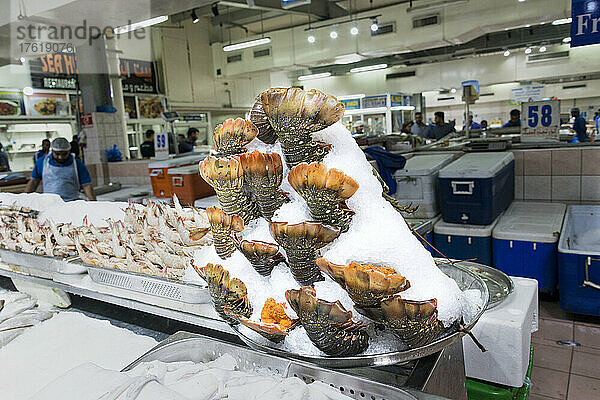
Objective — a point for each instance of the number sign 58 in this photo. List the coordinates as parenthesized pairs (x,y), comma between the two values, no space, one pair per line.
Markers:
(540,118)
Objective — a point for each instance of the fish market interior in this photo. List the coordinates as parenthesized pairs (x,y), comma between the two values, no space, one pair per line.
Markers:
(300,199)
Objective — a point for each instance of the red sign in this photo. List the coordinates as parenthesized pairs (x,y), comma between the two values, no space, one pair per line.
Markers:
(87,121)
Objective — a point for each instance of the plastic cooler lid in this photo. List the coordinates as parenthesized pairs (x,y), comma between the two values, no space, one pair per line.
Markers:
(444,228)
(424,164)
(531,222)
(187,170)
(477,165)
(178,161)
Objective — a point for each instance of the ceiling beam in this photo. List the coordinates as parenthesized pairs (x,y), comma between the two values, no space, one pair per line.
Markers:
(319,9)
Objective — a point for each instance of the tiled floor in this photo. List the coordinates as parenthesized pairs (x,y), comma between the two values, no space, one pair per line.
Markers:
(565,372)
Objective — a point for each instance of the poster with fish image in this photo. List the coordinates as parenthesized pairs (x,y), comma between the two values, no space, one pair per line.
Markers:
(11,103)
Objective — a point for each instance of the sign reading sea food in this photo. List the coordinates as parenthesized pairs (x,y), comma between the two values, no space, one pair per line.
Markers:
(585,22)
(59,71)
(540,120)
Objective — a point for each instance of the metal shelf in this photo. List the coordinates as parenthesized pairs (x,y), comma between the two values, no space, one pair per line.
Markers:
(125,302)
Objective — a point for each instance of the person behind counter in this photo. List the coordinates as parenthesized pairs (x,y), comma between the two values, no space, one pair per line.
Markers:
(440,128)
(484,124)
(43,152)
(187,145)
(515,119)
(63,174)
(597,121)
(4,164)
(75,146)
(579,125)
(419,128)
(147,146)
(472,124)
(407,127)
(359,128)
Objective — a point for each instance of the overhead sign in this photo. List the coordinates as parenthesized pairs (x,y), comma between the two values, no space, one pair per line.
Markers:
(351,104)
(527,93)
(59,71)
(585,22)
(397,100)
(540,120)
(374,101)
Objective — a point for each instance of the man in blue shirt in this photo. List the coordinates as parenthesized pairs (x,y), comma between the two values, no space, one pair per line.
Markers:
(4,164)
(472,124)
(187,145)
(515,119)
(579,125)
(61,173)
(43,152)
(597,121)
(419,128)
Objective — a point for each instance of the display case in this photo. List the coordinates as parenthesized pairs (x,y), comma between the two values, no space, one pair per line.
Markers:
(382,114)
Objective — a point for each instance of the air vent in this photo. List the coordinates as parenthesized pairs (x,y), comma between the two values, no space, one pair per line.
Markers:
(485,94)
(547,56)
(445,98)
(401,75)
(426,21)
(384,29)
(234,58)
(262,53)
(577,86)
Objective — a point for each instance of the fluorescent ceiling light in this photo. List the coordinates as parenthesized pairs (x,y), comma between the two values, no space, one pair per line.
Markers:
(400,108)
(348,59)
(143,24)
(351,96)
(435,6)
(369,68)
(245,45)
(567,39)
(314,76)
(561,21)
(453,90)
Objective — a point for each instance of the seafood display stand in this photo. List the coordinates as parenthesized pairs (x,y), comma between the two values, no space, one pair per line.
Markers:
(297,214)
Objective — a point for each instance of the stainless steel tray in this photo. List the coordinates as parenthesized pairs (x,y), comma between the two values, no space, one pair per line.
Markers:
(184,346)
(41,265)
(167,288)
(465,279)
(498,283)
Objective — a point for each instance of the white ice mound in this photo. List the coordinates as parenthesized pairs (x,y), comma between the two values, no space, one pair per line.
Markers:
(378,234)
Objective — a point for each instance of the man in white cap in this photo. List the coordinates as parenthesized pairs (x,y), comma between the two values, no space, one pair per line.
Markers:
(359,128)
(61,173)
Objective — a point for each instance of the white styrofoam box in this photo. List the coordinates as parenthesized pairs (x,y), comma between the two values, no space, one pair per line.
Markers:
(531,222)
(505,331)
(442,227)
(417,183)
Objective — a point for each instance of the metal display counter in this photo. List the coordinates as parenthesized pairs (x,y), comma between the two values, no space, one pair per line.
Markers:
(440,374)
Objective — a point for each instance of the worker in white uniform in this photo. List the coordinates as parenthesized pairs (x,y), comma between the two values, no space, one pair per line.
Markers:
(61,173)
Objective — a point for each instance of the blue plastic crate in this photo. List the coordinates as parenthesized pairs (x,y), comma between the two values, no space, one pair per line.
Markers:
(477,188)
(579,260)
(464,242)
(525,242)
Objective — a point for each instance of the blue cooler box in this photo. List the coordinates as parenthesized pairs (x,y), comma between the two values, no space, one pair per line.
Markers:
(579,260)
(464,242)
(525,242)
(477,188)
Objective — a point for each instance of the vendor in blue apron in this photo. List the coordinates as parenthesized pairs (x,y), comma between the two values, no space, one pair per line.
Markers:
(61,173)
(515,119)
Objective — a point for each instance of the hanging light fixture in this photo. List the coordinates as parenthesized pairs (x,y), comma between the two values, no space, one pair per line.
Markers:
(354,30)
(506,53)
(374,25)
(311,38)
(542,49)
(528,50)
(567,39)
(195,18)
(333,34)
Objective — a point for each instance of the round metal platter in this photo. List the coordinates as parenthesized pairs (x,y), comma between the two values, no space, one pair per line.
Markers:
(498,283)
(466,280)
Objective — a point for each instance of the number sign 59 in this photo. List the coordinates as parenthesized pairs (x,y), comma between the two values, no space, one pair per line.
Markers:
(540,118)
(161,146)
